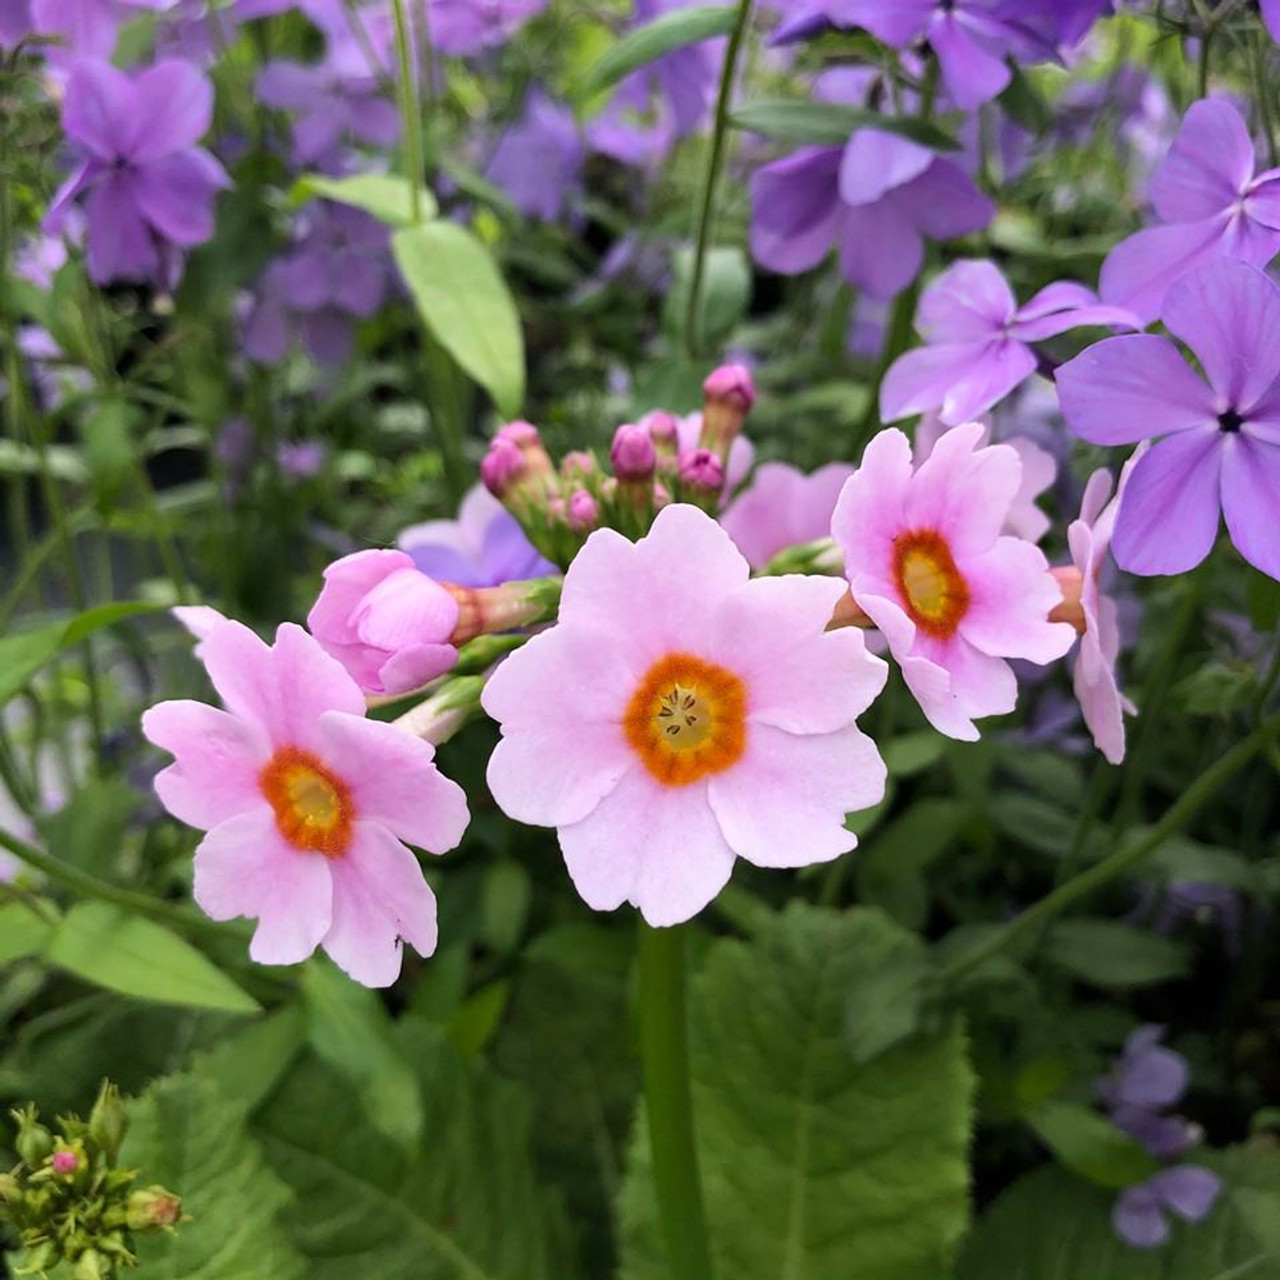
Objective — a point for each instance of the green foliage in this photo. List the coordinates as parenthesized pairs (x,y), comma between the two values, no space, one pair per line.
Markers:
(815,1168)
(1091,1145)
(1107,953)
(387,197)
(647,44)
(829,124)
(25,927)
(1051,1226)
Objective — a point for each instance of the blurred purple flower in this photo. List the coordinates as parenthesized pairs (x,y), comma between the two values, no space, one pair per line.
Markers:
(1141,1214)
(1222,452)
(151,189)
(87,28)
(1148,1077)
(783,507)
(52,377)
(1203,902)
(41,257)
(336,271)
(1212,205)
(1271,16)
(464,27)
(877,198)
(538,161)
(484,547)
(979,341)
(302,459)
(15,22)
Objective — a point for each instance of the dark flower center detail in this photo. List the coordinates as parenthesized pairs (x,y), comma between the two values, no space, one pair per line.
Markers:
(1230,421)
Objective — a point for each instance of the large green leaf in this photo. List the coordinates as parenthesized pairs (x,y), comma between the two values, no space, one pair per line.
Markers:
(467,306)
(186,1135)
(25,927)
(463,1205)
(815,1168)
(387,197)
(1108,953)
(829,124)
(647,44)
(1051,1226)
(112,948)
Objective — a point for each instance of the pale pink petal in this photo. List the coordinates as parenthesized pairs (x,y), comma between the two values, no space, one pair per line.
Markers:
(1011,593)
(784,803)
(871,507)
(199,619)
(760,520)
(1251,500)
(217,760)
(979,684)
(798,677)
(1100,700)
(405,608)
(244,867)
(409,668)
(346,583)
(1039,470)
(394,780)
(379,897)
(658,847)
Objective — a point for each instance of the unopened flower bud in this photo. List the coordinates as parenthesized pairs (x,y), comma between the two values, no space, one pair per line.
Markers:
(728,394)
(34,1144)
(632,454)
(10,1189)
(579,465)
(64,1163)
(661,496)
(153,1209)
(91,1265)
(664,431)
(584,511)
(502,467)
(538,465)
(108,1121)
(523,435)
(701,473)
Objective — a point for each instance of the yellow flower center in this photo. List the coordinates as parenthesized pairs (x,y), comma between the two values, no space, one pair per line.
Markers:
(932,588)
(313,807)
(687,719)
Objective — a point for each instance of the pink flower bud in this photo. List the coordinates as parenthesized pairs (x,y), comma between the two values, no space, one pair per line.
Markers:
(663,428)
(632,454)
(730,384)
(524,435)
(578,465)
(502,467)
(661,496)
(702,470)
(65,1162)
(584,511)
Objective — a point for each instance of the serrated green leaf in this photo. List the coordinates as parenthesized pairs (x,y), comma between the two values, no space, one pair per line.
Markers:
(122,952)
(190,1138)
(464,301)
(646,44)
(815,1168)
(1051,1226)
(1090,1145)
(464,1205)
(1108,953)
(24,931)
(830,123)
(387,197)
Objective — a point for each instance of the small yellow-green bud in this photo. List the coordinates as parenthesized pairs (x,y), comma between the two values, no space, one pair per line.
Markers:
(153,1209)
(10,1189)
(91,1265)
(108,1121)
(35,1143)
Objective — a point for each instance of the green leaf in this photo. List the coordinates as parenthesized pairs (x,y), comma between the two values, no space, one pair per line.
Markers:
(1107,953)
(830,123)
(385,196)
(350,1029)
(725,294)
(815,1168)
(190,1138)
(465,1204)
(1051,1226)
(248,1066)
(108,434)
(89,829)
(646,44)
(464,302)
(912,753)
(22,655)
(1090,1145)
(24,931)
(111,948)
(894,859)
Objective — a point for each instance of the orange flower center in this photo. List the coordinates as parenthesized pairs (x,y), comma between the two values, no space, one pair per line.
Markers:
(932,588)
(313,807)
(687,719)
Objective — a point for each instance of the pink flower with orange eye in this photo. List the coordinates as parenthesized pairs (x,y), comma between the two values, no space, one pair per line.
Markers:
(953,597)
(681,715)
(307,804)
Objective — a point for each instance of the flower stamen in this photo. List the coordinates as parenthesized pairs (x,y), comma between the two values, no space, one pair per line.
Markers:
(312,805)
(932,589)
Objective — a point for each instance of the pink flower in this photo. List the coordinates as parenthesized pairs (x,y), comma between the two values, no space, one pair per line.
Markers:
(783,508)
(681,715)
(386,621)
(1094,673)
(952,596)
(306,804)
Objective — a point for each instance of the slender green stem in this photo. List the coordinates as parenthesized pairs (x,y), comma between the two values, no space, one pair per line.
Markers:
(409,113)
(90,886)
(711,181)
(664,1048)
(1103,873)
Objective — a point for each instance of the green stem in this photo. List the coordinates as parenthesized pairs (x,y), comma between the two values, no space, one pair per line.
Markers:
(664,1049)
(90,886)
(1081,886)
(711,182)
(447,419)
(409,114)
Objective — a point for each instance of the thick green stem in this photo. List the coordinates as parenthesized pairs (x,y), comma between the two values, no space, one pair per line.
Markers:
(410,116)
(664,1048)
(711,182)
(1103,873)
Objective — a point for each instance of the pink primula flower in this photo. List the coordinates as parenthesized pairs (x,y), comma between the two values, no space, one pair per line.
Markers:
(926,560)
(386,621)
(306,804)
(783,508)
(1094,673)
(681,715)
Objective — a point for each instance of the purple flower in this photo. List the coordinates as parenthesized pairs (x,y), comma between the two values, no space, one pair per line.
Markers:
(465,27)
(1141,1214)
(538,162)
(979,341)
(87,27)
(1147,1075)
(302,459)
(15,22)
(1271,16)
(151,189)
(1212,205)
(783,508)
(1222,451)
(876,198)
(483,547)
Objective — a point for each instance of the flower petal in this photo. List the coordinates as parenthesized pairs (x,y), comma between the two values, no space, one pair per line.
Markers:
(972,75)
(173,109)
(120,244)
(961,381)
(176,195)
(1251,500)
(1208,167)
(880,250)
(874,162)
(795,210)
(968,302)
(1143,267)
(872,505)
(99,110)
(1011,593)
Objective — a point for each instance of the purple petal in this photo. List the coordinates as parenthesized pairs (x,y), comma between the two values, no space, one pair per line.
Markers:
(944,203)
(962,380)
(290,86)
(1262,204)
(875,162)
(1142,268)
(1251,499)
(1207,168)
(99,111)
(1168,516)
(970,301)
(328,336)
(1138,1218)
(88,27)
(265,337)
(1229,315)
(972,75)
(795,210)
(1271,16)
(880,251)
(1051,325)
(897,23)
(176,196)
(1189,1190)
(174,106)
(120,245)
(79,180)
